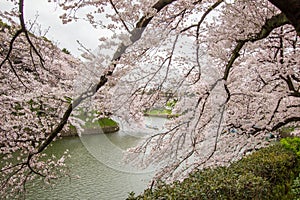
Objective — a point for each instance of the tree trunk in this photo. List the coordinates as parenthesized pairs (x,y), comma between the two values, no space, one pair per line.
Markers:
(291,8)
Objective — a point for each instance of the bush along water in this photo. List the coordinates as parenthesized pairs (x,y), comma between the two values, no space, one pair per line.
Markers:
(269,173)
(293,144)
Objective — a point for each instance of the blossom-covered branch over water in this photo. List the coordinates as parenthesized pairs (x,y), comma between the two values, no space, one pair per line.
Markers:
(233,69)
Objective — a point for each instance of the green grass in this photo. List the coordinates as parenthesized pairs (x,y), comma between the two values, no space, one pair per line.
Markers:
(159,112)
(107,122)
(91,123)
(103,123)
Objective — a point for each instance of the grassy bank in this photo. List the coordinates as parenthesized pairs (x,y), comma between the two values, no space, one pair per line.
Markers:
(270,173)
(106,124)
(161,113)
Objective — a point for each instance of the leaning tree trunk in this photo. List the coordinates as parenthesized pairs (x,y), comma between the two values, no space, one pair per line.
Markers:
(291,8)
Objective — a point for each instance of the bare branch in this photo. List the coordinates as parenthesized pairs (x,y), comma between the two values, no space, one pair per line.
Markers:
(120,17)
(11,46)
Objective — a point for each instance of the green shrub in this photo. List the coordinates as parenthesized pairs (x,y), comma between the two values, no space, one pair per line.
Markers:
(292,144)
(296,188)
(171,103)
(265,174)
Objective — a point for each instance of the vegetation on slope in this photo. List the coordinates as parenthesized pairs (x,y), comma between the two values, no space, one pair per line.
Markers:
(269,173)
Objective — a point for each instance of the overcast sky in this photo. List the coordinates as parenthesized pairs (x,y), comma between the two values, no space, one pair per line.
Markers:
(64,34)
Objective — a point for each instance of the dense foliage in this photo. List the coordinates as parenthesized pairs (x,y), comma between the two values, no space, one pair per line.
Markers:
(296,188)
(265,174)
(292,144)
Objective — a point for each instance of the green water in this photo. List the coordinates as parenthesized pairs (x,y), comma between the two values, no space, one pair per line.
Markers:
(97,160)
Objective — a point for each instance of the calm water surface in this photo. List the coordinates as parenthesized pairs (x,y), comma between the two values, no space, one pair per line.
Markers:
(97,160)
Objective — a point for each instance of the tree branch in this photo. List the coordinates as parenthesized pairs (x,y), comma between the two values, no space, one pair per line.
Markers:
(23,28)
(120,17)
(285,122)
(18,33)
(291,86)
(11,45)
(270,24)
(291,9)
(135,35)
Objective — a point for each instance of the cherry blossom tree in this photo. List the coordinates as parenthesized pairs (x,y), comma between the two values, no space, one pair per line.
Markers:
(36,84)
(233,66)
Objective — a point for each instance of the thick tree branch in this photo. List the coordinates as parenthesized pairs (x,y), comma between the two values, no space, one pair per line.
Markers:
(290,85)
(275,110)
(285,122)
(291,9)
(22,23)
(135,36)
(144,21)
(68,112)
(270,24)
(235,54)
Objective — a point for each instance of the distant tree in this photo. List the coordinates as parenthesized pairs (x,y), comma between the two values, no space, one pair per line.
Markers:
(66,51)
(234,66)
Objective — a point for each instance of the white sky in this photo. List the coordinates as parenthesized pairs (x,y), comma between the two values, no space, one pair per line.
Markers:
(63,34)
